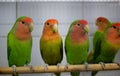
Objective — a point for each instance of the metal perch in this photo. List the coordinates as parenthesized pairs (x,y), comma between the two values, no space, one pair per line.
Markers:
(54,68)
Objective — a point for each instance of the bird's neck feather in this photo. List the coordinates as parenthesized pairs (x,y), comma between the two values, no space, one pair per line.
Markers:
(49,35)
(101,27)
(78,36)
(22,33)
(114,38)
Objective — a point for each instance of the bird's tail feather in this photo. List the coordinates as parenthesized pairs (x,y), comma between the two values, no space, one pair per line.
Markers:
(75,73)
(57,74)
(94,73)
(15,75)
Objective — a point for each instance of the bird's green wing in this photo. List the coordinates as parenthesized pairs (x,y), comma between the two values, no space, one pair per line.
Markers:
(97,40)
(61,50)
(18,52)
(8,46)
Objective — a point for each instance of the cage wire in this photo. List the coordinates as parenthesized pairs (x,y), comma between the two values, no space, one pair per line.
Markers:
(60,0)
(109,67)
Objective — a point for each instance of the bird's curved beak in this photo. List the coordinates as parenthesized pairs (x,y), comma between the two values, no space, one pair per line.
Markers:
(31,27)
(86,28)
(55,28)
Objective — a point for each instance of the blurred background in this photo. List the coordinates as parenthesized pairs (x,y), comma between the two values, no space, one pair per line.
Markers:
(65,11)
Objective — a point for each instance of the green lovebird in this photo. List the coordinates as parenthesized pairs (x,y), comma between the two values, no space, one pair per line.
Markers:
(51,46)
(109,45)
(103,24)
(19,42)
(77,43)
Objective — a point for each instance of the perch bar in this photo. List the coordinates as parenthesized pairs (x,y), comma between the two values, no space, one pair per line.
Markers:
(54,68)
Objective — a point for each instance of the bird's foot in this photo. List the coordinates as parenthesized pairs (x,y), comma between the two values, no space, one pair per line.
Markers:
(46,67)
(31,67)
(102,64)
(58,65)
(14,70)
(86,66)
(118,63)
(66,66)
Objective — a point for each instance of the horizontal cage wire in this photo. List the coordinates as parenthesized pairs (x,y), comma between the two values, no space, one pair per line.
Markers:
(59,0)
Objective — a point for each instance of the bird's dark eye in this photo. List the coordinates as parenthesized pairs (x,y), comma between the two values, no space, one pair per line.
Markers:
(78,24)
(48,24)
(100,21)
(23,22)
(114,27)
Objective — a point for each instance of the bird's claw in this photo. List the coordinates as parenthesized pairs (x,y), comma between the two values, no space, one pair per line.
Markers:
(58,65)
(46,67)
(118,63)
(14,70)
(30,66)
(66,66)
(86,66)
(102,64)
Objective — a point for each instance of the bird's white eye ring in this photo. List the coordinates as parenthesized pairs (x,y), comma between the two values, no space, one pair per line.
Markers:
(78,24)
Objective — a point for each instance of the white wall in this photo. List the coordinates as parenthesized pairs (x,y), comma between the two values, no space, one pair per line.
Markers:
(65,12)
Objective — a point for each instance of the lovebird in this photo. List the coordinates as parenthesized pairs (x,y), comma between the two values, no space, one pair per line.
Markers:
(102,24)
(109,45)
(51,45)
(77,43)
(19,42)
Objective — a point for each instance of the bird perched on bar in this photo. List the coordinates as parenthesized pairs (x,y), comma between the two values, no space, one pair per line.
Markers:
(109,46)
(19,42)
(51,46)
(103,24)
(77,43)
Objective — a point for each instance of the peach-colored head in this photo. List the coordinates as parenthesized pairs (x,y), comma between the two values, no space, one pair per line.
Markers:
(113,33)
(79,30)
(50,26)
(23,27)
(102,23)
